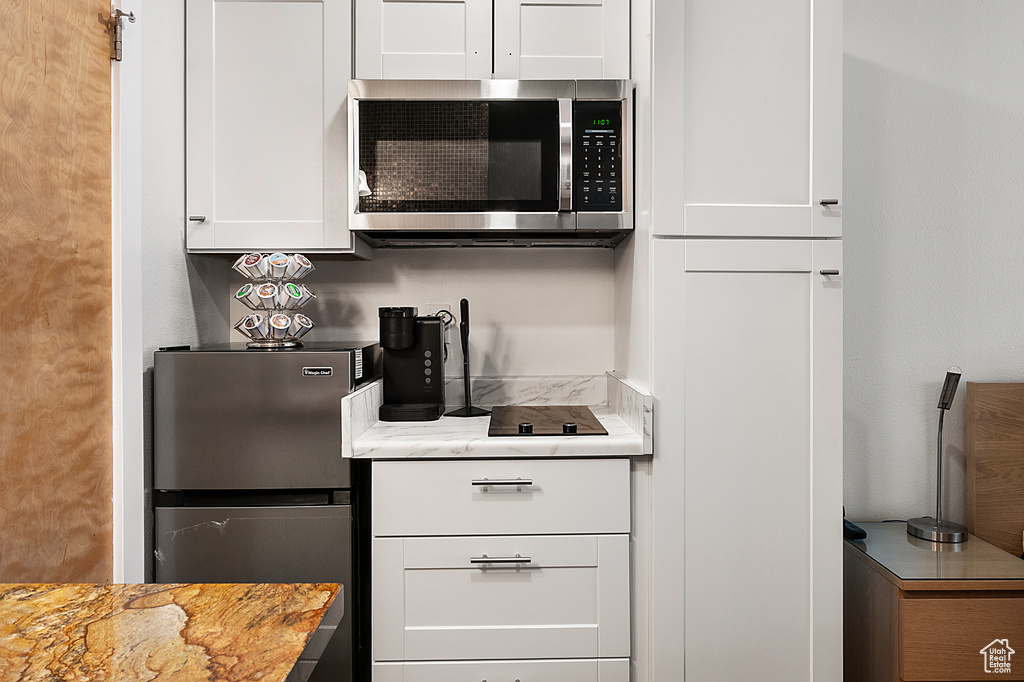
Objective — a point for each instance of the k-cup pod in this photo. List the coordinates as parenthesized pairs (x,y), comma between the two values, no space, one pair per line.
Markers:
(237,267)
(290,296)
(267,295)
(300,325)
(263,267)
(247,294)
(249,265)
(298,267)
(278,263)
(257,326)
(307,296)
(279,325)
(240,328)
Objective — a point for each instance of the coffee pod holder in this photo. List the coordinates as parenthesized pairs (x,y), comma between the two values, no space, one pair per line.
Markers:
(274,297)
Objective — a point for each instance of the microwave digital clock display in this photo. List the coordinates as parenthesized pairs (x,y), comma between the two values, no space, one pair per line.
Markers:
(597,156)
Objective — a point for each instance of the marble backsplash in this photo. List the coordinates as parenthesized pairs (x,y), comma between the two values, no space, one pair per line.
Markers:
(359,412)
(634,406)
(546,390)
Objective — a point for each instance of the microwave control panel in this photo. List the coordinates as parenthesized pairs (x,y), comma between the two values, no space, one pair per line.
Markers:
(597,155)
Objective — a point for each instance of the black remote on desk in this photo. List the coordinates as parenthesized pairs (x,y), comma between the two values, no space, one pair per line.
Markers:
(851,531)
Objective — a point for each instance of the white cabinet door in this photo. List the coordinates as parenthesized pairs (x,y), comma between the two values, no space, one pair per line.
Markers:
(266,125)
(747,105)
(578,670)
(500,597)
(444,39)
(747,339)
(556,496)
(561,39)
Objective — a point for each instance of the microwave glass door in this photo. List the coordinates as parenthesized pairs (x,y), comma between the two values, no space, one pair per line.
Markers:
(459,156)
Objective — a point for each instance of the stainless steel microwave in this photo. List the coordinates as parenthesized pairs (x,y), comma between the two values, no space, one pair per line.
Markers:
(491,162)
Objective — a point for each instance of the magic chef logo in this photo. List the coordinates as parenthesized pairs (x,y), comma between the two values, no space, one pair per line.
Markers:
(997,656)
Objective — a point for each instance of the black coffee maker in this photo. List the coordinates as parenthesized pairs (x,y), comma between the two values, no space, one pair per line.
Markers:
(413,365)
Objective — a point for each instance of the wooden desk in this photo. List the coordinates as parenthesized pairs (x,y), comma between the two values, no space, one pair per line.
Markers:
(922,612)
(179,633)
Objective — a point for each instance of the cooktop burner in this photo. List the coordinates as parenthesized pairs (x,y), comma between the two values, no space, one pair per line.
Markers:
(544,420)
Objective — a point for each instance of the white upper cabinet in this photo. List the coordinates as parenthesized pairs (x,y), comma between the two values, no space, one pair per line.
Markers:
(442,39)
(748,113)
(478,39)
(561,39)
(266,125)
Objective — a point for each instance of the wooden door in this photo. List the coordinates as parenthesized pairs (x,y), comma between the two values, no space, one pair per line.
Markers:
(55,312)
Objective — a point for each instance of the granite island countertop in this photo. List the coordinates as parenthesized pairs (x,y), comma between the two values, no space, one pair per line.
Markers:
(625,413)
(181,632)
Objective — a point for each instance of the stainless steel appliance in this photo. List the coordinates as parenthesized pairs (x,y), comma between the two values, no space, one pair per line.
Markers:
(492,162)
(250,485)
(413,348)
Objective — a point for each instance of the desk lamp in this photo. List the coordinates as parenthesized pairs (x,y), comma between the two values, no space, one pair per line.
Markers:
(926,527)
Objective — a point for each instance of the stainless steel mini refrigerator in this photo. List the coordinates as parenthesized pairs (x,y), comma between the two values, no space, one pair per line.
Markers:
(249,481)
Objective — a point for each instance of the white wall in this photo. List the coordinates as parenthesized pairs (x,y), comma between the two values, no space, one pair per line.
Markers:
(934,166)
(183,299)
(632,257)
(532,311)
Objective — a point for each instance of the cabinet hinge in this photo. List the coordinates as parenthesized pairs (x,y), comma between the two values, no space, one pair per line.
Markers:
(115,25)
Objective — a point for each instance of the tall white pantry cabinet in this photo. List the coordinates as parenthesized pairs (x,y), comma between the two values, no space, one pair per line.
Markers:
(747,341)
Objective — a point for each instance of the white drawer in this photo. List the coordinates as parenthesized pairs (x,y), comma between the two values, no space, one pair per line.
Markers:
(456,599)
(452,498)
(585,670)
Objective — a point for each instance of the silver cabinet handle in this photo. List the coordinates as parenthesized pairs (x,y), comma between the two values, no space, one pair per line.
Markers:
(484,559)
(564,154)
(829,273)
(829,202)
(503,481)
(197,218)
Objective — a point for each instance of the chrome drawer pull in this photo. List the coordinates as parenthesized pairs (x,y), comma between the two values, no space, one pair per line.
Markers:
(503,481)
(484,559)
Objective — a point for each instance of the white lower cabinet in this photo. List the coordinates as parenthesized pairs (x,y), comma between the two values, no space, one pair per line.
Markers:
(582,670)
(501,597)
(501,496)
(516,605)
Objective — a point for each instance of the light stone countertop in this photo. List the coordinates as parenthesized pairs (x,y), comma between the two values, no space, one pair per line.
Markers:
(467,437)
(628,426)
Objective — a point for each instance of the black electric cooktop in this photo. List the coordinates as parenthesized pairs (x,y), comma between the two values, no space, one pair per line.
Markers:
(544,420)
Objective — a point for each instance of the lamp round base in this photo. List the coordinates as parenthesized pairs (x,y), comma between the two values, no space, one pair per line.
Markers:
(926,528)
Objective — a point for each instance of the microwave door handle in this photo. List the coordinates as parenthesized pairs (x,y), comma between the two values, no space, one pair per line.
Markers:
(564,154)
